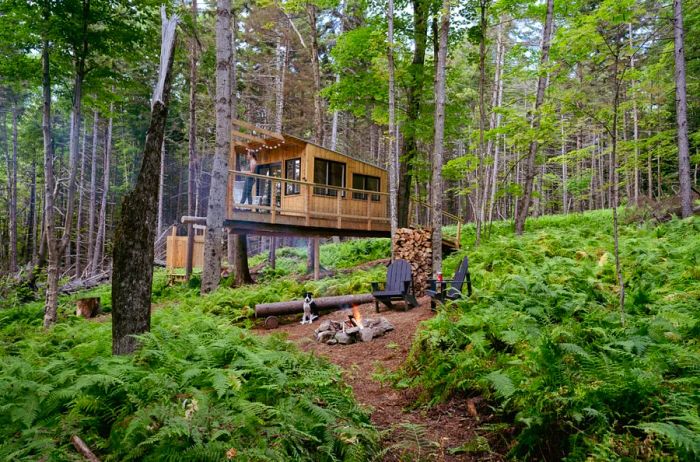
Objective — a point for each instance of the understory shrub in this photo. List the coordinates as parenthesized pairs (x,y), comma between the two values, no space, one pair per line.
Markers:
(543,340)
(198,389)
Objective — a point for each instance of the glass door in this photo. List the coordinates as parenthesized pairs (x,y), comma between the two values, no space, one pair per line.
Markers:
(264,187)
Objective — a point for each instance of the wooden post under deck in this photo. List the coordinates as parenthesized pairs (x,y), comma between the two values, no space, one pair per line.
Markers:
(317,260)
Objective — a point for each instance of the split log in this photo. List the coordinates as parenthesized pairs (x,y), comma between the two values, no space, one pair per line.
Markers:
(415,246)
(83,448)
(322,304)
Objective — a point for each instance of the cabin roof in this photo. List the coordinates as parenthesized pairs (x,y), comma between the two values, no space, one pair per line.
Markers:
(301,141)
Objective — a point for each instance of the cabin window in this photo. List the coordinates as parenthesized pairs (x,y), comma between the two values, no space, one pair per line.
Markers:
(292,171)
(330,173)
(366,183)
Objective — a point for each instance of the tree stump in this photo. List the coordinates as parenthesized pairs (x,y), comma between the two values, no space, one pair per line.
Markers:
(87,307)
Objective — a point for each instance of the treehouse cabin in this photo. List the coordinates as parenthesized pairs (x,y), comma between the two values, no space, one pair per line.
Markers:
(300,188)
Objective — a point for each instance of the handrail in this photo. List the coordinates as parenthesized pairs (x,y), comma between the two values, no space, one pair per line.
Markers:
(315,185)
(446,214)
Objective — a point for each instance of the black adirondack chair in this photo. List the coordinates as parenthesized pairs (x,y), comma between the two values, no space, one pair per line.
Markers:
(454,290)
(399,286)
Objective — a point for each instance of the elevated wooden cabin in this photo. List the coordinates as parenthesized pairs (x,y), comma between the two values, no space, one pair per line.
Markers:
(301,188)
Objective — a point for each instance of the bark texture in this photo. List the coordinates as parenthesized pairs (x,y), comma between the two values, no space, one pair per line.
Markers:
(414,92)
(681,111)
(49,184)
(132,274)
(211,273)
(393,145)
(530,168)
(438,147)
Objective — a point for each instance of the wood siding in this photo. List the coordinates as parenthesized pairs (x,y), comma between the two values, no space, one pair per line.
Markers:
(339,211)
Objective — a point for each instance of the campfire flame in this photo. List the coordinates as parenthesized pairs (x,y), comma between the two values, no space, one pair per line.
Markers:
(357,316)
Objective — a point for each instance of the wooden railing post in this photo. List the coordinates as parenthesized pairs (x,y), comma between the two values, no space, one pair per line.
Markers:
(369,213)
(273,202)
(306,204)
(338,209)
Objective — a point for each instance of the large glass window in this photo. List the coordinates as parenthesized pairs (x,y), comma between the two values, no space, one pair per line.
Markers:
(366,183)
(292,171)
(330,173)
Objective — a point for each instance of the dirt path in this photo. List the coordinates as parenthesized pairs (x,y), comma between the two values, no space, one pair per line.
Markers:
(410,434)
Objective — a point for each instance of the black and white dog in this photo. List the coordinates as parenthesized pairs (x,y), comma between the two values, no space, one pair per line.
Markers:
(309,309)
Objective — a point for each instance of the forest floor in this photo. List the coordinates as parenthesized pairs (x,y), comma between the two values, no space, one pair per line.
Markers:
(445,432)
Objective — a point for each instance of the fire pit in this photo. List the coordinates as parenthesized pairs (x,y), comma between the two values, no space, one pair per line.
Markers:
(352,330)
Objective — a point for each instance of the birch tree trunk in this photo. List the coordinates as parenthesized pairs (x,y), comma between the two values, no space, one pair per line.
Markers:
(496,116)
(81,195)
(30,242)
(530,170)
(93,191)
(438,148)
(80,56)
(192,145)
(132,276)
(49,182)
(316,71)
(12,176)
(393,142)
(564,171)
(101,222)
(211,273)
(282,53)
(480,187)
(635,125)
(681,111)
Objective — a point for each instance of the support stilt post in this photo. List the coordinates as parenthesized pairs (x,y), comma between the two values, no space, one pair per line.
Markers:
(317,260)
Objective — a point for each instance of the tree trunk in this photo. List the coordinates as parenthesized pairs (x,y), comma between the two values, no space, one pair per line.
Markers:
(132,275)
(564,170)
(480,187)
(49,183)
(681,111)
(242,274)
(334,126)
(414,92)
(12,175)
(438,148)
(635,126)
(496,117)
(74,140)
(615,190)
(316,71)
(93,191)
(98,251)
(279,119)
(192,145)
(161,184)
(30,244)
(530,170)
(211,273)
(393,142)
(81,195)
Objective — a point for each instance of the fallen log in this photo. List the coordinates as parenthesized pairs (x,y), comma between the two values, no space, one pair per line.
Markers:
(83,449)
(322,304)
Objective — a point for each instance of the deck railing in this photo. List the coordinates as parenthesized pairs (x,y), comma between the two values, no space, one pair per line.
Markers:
(348,203)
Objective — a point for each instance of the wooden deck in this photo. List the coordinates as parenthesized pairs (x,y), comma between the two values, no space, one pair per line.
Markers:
(282,224)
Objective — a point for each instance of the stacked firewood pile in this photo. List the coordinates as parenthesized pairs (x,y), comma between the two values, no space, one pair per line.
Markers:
(415,246)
